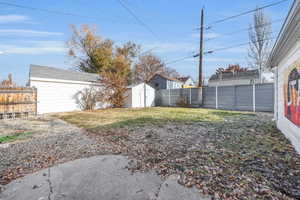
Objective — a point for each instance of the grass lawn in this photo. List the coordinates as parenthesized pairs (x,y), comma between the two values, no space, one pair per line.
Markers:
(227,154)
(14,137)
(120,118)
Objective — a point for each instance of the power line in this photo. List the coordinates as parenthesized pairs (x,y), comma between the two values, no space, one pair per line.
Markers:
(245,29)
(45,10)
(244,13)
(234,46)
(140,22)
(179,60)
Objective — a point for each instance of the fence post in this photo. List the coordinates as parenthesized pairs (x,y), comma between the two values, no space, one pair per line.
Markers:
(217,97)
(190,96)
(254,95)
(169,97)
(235,97)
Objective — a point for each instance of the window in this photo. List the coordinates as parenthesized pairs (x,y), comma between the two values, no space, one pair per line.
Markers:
(156,84)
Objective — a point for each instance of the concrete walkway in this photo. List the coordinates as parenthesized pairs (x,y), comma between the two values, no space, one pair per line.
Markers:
(96,178)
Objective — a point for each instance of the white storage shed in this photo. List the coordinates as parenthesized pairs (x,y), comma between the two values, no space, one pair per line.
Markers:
(57,88)
(140,95)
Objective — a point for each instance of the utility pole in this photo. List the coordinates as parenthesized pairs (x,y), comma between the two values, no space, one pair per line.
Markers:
(200,84)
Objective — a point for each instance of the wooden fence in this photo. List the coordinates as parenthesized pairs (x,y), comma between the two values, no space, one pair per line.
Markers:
(16,102)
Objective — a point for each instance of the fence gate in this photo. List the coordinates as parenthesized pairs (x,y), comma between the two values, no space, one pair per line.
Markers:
(16,102)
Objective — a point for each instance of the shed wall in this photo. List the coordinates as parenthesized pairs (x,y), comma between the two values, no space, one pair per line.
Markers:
(57,95)
(138,96)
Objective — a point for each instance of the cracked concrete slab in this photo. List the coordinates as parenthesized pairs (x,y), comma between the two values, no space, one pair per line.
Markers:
(171,190)
(100,177)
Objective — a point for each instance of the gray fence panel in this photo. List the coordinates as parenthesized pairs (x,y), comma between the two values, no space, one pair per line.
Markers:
(264,97)
(209,97)
(192,97)
(196,95)
(240,97)
(244,98)
(225,97)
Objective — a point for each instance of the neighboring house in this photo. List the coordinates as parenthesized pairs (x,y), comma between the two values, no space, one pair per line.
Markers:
(285,60)
(159,81)
(187,81)
(57,88)
(234,78)
(139,96)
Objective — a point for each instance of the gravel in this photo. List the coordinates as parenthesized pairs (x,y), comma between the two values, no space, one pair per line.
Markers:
(54,141)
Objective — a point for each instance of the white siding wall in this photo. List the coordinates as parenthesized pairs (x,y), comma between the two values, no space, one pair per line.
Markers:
(57,95)
(291,131)
(138,96)
(174,84)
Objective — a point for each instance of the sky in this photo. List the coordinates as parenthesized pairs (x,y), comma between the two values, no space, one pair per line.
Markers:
(36,37)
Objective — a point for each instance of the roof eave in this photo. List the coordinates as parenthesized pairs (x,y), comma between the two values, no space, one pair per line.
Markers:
(288,28)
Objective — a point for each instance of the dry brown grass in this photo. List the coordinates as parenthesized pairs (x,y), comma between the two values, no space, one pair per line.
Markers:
(121,117)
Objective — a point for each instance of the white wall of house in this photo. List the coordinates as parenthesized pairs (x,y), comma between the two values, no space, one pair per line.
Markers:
(189,82)
(291,130)
(174,84)
(54,95)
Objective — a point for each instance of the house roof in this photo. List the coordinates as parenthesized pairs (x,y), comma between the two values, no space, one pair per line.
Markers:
(251,74)
(183,79)
(288,36)
(163,76)
(38,71)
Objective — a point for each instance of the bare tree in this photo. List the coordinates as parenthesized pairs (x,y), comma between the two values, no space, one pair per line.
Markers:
(8,82)
(260,35)
(148,65)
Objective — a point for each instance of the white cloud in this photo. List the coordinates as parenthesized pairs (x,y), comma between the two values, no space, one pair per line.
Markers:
(13,18)
(171,47)
(1,52)
(34,47)
(23,32)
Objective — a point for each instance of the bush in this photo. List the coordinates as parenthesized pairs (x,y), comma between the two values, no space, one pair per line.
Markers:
(182,102)
(87,98)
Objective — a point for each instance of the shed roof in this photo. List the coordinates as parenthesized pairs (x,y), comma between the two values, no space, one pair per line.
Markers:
(38,71)
(183,79)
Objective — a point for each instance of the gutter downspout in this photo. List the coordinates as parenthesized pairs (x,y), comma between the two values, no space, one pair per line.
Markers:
(276,95)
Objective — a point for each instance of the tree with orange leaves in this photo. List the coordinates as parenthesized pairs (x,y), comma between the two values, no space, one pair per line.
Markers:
(235,68)
(94,54)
